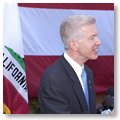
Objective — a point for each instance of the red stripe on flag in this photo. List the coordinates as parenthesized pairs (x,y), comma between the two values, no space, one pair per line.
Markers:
(103,70)
(35,67)
(89,6)
(12,98)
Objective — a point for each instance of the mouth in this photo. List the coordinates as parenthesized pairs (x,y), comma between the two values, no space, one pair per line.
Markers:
(95,50)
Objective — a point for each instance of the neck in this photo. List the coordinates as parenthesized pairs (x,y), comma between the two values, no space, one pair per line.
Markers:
(76,57)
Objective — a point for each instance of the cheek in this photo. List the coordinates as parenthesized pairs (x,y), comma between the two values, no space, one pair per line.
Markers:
(89,50)
(82,48)
(91,47)
(86,48)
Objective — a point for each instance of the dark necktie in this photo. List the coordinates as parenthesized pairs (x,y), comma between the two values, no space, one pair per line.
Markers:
(85,85)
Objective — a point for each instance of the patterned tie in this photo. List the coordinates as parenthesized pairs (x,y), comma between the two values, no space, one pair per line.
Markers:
(85,85)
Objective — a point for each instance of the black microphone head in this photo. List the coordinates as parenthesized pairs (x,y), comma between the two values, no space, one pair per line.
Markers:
(100,109)
(110,91)
(108,102)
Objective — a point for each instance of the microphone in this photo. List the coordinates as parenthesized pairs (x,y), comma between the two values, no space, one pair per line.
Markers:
(100,109)
(110,91)
(108,102)
(107,105)
(106,112)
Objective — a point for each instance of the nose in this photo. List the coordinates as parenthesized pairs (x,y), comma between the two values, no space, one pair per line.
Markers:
(98,42)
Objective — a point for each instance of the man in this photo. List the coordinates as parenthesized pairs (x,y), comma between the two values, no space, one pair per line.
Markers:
(62,89)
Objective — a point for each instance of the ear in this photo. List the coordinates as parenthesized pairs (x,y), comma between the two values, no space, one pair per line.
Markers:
(73,44)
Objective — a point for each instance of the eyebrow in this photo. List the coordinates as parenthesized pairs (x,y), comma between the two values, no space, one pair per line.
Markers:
(93,35)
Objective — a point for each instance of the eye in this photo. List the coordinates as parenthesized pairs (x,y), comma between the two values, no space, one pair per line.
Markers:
(91,38)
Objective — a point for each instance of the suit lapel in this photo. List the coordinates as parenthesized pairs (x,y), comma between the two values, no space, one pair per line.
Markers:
(91,91)
(79,92)
(76,84)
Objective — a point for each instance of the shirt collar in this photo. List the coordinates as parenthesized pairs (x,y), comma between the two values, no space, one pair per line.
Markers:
(77,68)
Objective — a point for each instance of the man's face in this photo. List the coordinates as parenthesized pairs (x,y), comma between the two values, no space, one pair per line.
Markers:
(88,45)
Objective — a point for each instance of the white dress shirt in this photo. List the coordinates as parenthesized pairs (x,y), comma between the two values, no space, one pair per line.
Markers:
(77,68)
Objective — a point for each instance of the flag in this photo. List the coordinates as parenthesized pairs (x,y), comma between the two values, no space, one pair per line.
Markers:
(15,93)
(40,24)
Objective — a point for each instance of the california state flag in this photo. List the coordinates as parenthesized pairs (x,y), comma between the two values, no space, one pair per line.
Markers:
(15,93)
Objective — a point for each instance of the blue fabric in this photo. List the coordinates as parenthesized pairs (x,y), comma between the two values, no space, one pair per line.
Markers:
(85,85)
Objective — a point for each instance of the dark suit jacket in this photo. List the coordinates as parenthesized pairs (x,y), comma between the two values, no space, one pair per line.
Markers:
(60,90)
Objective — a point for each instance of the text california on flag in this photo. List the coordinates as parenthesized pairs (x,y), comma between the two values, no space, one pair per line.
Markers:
(14,68)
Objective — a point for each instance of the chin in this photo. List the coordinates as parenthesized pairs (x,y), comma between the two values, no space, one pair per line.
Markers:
(94,57)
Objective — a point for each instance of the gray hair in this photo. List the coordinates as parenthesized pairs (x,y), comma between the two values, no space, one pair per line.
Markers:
(70,27)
